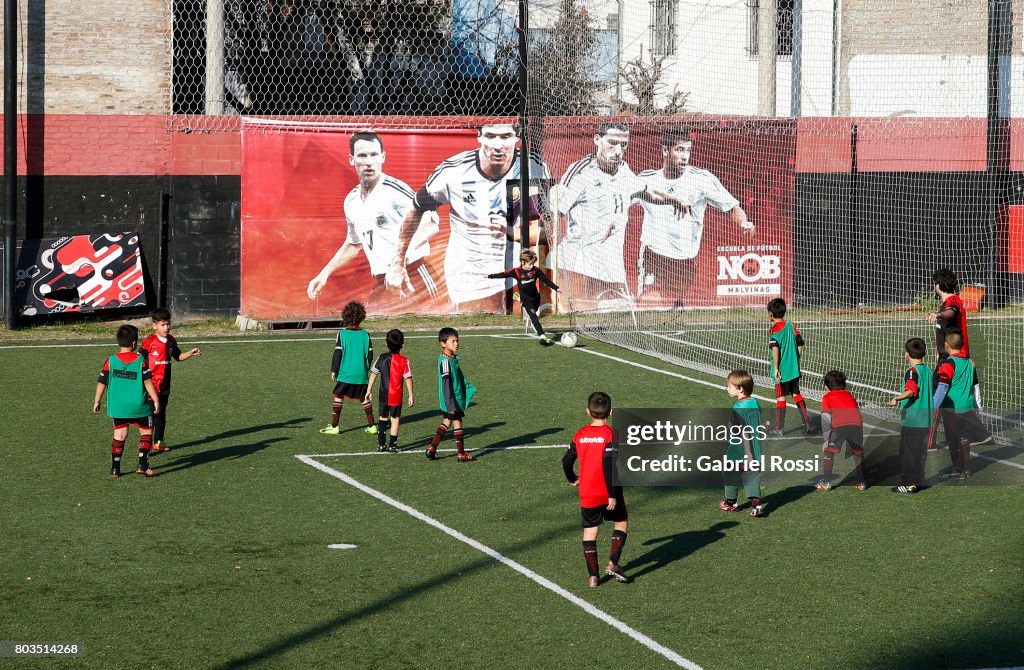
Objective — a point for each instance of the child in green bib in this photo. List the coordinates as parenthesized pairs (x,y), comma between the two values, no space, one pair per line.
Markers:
(127,381)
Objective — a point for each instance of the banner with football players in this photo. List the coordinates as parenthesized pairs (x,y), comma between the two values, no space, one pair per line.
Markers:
(641,213)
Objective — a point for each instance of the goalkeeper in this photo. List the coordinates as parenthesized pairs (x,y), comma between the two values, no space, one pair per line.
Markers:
(526,277)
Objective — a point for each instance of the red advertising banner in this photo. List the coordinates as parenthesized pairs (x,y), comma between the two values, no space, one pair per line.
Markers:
(705,222)
(314,237)
(722,237)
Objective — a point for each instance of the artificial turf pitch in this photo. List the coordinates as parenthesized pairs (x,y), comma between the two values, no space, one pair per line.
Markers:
(223,560)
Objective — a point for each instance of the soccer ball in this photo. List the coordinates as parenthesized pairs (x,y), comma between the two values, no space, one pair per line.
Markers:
(568,339)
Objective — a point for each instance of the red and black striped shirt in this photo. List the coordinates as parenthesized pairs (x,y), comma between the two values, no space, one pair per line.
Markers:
(959,321)
(393,369)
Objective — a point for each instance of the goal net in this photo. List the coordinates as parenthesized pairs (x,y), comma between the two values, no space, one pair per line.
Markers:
(696,160)
(828,155)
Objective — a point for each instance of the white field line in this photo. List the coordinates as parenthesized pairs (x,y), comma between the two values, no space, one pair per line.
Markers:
(419,452)
(484,450)
(761,397)
(236,340)
(695,380)
(505,560)
(491,335)
(764,362)
(697,327)
(838,325)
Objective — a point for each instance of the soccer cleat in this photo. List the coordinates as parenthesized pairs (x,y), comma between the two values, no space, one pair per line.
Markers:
(431,453)
(985,440)
(966,474)
(808,429)
(382,449)
(393,448)
(159,448)
(823,485)
(774,431)
(465,457)
(758,510)
(150,472)
(593,582)
(114,474)
(370,430)
(905,489)
(952,474)
(331,430)
(616,573)
(861,486)
(727,506)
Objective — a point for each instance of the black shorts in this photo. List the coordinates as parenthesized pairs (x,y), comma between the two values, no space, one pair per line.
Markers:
(453,416)
(792,387)
(962,425)
(139,422)
(852,436)
(593,516)
(346,390)
(389,411)
(914,438)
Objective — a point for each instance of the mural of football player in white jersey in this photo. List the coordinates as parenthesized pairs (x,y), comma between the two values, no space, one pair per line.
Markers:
(595,194)
(374,211)
(473,184)
(669,243)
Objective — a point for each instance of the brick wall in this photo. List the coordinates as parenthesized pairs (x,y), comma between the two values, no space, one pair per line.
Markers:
(915,27)
(111,57)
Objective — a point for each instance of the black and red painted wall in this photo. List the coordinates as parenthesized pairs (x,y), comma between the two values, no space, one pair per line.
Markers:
(879,203)
(88,174)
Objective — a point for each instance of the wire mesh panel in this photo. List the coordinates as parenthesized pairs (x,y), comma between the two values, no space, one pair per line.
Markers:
(316,58)
(702,157)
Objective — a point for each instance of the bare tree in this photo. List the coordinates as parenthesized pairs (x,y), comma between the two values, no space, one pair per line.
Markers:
(644,79)
(561,65)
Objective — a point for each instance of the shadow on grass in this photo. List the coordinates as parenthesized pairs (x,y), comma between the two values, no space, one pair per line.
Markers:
(775,501)
(283,645)
(238,432)
(991,643)
(999,452)
(672,548)
(526,439)
(406,419)
(222,454)
(449,441)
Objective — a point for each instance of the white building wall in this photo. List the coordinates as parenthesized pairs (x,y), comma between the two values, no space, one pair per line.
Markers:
(711,62)
(898,57)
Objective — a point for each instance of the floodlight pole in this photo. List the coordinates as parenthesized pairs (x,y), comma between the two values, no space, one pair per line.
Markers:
(214,57)
(797,60)
(10,221)
(524,130)
(767,56)
(1000,31)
